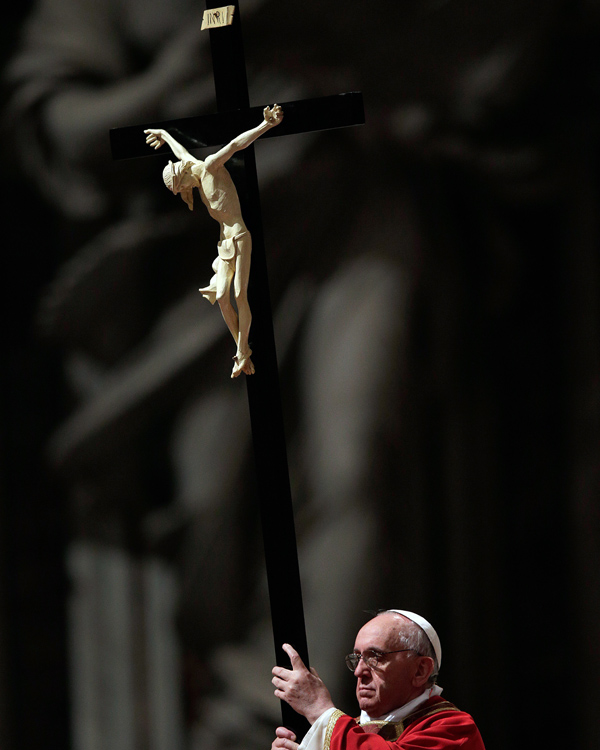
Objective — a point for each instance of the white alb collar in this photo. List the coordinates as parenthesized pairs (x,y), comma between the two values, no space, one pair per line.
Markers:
(400,713)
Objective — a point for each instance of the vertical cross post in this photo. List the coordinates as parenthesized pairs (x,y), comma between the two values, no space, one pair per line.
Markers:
(264,399)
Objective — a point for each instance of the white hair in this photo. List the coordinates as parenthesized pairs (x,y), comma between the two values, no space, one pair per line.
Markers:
(412,636)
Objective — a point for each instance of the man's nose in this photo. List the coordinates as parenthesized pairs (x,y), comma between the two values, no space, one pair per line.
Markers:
(361,668)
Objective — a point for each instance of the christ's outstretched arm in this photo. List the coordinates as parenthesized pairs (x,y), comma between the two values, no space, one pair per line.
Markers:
(272,117)
(156,137)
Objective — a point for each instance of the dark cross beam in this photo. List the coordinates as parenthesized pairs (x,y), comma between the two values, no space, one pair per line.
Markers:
(266,415)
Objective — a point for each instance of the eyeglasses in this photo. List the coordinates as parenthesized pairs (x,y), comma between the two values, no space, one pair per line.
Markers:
(370,658)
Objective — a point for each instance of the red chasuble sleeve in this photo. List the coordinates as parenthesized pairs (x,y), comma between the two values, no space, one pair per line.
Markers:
(443,731)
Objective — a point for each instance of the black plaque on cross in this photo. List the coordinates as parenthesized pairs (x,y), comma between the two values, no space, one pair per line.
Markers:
(266,416)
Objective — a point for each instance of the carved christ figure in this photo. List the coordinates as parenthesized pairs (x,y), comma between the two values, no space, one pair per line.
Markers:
(220,197)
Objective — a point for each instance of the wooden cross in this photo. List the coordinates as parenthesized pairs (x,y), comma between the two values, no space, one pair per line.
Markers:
(236,116)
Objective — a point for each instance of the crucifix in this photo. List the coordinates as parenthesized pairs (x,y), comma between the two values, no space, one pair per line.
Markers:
(235,116)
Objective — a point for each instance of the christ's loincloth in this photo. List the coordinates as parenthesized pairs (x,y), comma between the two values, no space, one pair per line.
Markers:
(223,265)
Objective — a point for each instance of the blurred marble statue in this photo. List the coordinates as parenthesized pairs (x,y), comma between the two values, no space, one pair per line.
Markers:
(219,195)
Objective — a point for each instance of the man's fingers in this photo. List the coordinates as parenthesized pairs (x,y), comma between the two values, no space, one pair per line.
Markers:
(281,743)
(285,733)
(284,739)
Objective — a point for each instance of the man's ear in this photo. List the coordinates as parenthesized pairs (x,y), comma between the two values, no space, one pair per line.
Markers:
(423,671)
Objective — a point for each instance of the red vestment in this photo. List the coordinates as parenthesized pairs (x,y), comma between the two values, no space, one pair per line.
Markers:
(435,725)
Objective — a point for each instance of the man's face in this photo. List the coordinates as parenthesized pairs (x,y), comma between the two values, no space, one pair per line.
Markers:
(397,678)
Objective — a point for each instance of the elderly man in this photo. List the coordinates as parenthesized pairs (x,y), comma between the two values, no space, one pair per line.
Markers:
(395,660)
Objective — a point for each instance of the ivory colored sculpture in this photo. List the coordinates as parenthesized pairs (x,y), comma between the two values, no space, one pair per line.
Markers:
(220,197)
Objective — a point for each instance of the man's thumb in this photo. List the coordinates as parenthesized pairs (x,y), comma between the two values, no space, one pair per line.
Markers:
(294,656)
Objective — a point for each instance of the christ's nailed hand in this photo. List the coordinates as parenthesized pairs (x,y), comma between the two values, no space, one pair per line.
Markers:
(273,115)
